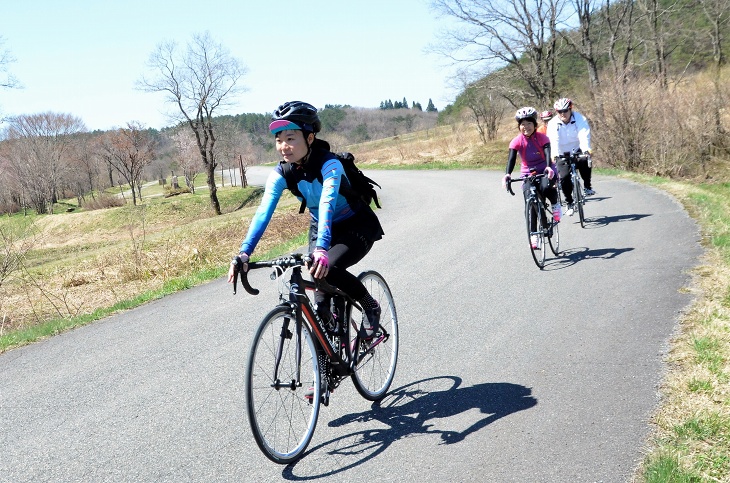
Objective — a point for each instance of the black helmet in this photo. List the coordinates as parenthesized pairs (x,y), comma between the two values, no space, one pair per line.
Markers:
(300,113)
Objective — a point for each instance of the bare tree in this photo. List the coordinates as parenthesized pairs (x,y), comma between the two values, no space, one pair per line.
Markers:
(619,18)
(129,150)
(7,79)
(82,177)
(717,13)
(584,46)
(234,149)
(657,17)
(186,155)
(519,34)
(485,108)
(11,192)
(199,80)
(38,150)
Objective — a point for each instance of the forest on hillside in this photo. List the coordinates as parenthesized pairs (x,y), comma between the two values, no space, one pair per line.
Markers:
(649,74)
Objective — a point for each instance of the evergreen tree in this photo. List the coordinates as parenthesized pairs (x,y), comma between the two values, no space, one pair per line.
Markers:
(431,107)
(405,103)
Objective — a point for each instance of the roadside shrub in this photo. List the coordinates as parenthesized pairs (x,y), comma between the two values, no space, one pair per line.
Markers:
(169,192)
(663,132)
(103,201)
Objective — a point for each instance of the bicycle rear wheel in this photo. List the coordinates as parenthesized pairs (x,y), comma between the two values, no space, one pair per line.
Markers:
(281,419)
(579,198)
(376,359)
(538,253)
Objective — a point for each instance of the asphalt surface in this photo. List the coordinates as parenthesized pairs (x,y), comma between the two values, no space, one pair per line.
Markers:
(506,372)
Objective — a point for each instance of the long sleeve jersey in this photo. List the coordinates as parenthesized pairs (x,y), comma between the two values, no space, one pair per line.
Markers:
(565,138)
(326,206)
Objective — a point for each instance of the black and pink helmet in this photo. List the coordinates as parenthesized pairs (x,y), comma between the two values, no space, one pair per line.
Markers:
(295,115)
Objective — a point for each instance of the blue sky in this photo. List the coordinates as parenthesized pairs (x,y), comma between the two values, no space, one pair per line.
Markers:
(82,57)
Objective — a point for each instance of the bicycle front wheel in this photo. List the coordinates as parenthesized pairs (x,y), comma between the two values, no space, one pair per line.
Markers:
(282,365)
(554,237)
(376,359)
(532,212)
(579,200)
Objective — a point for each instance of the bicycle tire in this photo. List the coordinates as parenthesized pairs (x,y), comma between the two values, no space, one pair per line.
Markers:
(282,420)
(374,372)
(579,200)
(538,254)
(554,236)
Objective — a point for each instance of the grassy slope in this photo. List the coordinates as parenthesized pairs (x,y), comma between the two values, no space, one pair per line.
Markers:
(127,256)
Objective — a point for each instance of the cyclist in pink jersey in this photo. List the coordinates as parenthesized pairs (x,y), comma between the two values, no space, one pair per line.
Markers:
(533,149)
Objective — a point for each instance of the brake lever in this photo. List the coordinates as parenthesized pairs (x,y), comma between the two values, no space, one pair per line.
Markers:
(236,262)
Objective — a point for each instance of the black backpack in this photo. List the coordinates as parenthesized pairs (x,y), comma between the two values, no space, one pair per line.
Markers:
(360,188)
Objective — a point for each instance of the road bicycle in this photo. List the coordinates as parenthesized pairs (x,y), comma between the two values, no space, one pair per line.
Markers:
(539,224)
(579,199)
(298,357)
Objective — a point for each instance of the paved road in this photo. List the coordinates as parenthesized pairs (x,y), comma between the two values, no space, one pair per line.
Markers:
(506,372)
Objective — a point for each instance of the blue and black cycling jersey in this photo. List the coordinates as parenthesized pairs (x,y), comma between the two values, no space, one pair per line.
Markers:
(326,205)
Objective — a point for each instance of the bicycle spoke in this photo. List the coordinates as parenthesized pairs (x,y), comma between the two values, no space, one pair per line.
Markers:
(282,419)
(532,213)
(375,367)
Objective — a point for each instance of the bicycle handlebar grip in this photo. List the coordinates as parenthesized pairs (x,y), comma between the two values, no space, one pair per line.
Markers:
(509,188)
(238,270)
(247,286)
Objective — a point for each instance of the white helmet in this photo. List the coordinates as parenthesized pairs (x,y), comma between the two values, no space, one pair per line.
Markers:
(526,113)
(563,103)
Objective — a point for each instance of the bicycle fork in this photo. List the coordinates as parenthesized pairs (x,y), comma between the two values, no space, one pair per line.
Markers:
(285,335)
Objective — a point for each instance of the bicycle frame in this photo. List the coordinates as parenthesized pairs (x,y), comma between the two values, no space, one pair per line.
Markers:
(342,358)
(533,193)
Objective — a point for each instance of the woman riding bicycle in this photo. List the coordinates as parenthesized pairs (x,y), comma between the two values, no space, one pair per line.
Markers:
(341,233)
(534,151)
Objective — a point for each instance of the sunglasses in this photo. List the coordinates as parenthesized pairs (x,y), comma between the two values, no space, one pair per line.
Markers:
(563,111)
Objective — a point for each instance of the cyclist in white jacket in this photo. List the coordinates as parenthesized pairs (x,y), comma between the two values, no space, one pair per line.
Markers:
(569,132)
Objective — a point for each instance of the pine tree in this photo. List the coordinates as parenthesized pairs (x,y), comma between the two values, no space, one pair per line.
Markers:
(405,103)
(431,107)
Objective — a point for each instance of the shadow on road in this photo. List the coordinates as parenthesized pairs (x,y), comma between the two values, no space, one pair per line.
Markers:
(574,255)
(419,408)
(601,221)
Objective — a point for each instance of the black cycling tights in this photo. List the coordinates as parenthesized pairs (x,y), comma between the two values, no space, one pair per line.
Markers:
(347,249)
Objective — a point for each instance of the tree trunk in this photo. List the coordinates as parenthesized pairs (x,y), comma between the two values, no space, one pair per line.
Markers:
(210,168)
